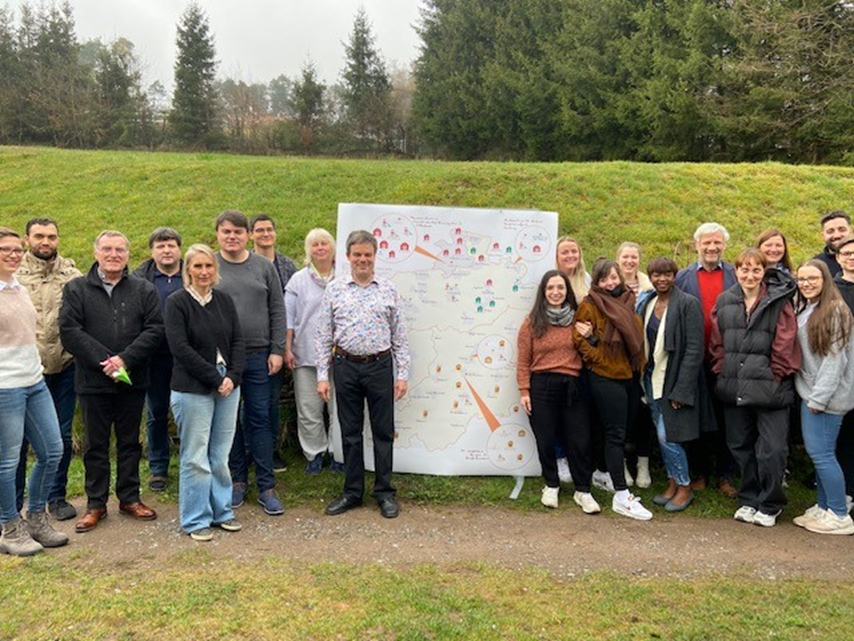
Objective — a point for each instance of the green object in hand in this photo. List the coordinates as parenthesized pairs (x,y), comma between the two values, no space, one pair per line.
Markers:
(122,375)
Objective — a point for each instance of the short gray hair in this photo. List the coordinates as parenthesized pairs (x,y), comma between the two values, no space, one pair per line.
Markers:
(318,233)
(707,229)
(111,233)
(361,237)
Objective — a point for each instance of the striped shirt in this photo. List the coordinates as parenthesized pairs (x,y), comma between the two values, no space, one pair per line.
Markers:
(361,320)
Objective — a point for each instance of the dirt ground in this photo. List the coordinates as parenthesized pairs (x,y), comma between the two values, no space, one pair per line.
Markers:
(565,542)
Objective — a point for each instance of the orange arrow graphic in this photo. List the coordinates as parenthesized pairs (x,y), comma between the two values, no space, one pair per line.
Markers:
(491,419)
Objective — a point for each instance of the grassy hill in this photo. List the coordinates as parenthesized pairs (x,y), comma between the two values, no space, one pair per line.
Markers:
(602,204)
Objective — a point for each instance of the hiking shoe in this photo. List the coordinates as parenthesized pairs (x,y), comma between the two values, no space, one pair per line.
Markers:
(829,523)
(279,464)
(549,497)
(62,510)
(602,480)
(158,483)
(563,472)
(745,514)
(42,531)
(587,502)
(315,465)
(231,525)
(810,515)
(766,520)
(238,494)
(205,534)
(271,503)
(631,507)
(16,539)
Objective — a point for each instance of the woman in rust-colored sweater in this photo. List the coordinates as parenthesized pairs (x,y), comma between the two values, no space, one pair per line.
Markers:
(547,371)
(613,354)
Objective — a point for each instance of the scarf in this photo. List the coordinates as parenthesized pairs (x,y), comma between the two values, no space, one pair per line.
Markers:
(319,280)
(622,333)
(562,316)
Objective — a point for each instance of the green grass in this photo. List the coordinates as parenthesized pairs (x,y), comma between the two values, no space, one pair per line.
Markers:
(274,599)
(602,204)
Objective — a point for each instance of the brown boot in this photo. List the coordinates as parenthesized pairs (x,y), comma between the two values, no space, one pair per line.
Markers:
(682,499)
(726,488)
(666,495)
(699,483)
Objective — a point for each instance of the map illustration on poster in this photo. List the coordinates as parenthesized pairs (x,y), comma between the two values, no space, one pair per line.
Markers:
(468,278)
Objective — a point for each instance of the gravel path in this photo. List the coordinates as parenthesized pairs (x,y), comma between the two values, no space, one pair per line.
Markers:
(565,542)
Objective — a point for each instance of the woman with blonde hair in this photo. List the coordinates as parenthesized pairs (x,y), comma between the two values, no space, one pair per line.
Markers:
(570,260)
(303,296)
(628,260)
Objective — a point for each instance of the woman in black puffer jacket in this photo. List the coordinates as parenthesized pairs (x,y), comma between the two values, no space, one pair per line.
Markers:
(755,354)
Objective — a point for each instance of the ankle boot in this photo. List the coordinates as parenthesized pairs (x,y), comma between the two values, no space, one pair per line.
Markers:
(16,539)
(643,478)
(42,531)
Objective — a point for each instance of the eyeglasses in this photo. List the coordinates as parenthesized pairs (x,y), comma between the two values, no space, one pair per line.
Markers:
(812,280)
(9,251)
(846,254)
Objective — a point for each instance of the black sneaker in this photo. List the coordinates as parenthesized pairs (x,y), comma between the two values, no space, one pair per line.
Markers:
(158,483)
(62,510)
(279,465)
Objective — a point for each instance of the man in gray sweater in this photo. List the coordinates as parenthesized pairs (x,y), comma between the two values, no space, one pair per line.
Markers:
(252,282)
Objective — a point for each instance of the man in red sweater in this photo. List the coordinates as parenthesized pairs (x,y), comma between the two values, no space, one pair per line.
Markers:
(706,280)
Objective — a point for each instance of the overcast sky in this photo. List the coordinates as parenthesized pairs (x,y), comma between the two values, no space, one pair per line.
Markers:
(256,40)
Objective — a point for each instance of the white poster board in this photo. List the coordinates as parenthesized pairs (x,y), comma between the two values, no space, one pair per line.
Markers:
(467,277)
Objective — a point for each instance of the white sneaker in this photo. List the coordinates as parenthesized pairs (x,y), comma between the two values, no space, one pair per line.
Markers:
(549,498)
(629,480)
(829,523)
(745,514)
(766,520)
(563,472)
(603,481)
(587,502)
(631,508)
(810,515)
(643,479)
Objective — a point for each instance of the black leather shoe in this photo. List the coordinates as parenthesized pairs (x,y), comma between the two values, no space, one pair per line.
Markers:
(389,508)
(342,504)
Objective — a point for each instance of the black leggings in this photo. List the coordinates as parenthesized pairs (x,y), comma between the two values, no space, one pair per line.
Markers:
(617,402)
(559,408)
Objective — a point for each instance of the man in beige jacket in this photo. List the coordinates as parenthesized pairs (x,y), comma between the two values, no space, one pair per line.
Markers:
(44,273)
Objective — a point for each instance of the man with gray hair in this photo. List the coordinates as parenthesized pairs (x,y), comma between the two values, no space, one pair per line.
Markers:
(361,335)
(111,323)
(706,280)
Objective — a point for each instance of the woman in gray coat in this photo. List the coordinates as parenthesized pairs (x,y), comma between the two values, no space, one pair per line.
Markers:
(673,380)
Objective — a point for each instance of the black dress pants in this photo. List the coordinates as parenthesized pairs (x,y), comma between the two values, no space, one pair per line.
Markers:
(100,413)
(356,383)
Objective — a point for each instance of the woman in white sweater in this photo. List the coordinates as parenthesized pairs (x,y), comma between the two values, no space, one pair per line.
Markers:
(825,384)
(26,409)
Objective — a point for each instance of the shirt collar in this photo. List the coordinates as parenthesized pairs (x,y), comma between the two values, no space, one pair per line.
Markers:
(700,267)
(13,285)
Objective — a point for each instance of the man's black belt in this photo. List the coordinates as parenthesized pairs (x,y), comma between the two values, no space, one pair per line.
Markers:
(360,358)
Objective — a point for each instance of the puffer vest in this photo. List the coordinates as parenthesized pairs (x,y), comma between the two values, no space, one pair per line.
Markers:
(746,378)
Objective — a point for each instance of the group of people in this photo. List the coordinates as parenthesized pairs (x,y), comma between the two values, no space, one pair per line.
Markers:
(206,335)
(710,358)
(714,355)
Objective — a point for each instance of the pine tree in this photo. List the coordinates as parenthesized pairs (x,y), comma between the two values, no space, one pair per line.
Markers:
(193,115)
(367,88)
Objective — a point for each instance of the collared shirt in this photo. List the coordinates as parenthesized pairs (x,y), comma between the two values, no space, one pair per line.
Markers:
(361,320)
(13,285)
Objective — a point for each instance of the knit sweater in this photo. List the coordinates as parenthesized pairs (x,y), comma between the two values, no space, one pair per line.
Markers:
(195,333)
(20,365)
(554,352)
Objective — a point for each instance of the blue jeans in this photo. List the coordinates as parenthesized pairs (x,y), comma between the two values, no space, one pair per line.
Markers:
(254,432)
(206,424)
(674,455)
(277,382)
(157,414)
(820,433)
(27,411)
(61,386)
